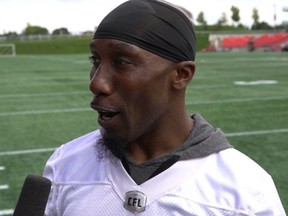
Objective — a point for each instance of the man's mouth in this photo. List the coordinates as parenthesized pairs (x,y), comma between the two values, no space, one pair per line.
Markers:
(107,119)
(106,115)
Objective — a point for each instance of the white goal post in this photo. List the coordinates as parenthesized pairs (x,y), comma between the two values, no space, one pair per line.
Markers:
(7,49)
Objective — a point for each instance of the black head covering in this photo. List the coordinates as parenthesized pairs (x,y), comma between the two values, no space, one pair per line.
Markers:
(152,25)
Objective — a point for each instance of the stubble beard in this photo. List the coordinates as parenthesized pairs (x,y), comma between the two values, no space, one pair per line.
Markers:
(107,147)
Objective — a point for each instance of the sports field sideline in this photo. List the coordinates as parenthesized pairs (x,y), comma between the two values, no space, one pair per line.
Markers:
(44,102)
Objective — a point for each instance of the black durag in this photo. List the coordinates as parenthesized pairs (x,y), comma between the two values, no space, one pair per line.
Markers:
(152,25)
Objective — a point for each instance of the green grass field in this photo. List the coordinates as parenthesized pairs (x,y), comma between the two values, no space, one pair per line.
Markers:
(44,102)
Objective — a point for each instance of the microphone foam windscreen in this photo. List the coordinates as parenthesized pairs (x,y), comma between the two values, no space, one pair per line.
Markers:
(33,197)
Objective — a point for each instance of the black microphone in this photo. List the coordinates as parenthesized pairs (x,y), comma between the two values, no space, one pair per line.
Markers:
(33,197)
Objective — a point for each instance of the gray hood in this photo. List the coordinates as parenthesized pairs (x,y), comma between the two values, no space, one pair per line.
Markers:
(203,140)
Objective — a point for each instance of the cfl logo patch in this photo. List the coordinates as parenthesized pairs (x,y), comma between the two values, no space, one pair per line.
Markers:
(135,201)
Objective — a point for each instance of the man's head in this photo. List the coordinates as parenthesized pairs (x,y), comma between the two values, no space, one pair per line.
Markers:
(156,26)
(142,54)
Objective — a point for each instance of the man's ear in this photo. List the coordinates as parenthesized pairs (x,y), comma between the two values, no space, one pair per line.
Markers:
(183,74)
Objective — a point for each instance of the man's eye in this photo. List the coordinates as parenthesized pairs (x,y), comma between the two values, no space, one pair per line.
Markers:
(121,62)
(94,60)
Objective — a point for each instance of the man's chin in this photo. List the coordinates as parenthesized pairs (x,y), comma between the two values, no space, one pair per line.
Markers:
(110,145)
(110,135)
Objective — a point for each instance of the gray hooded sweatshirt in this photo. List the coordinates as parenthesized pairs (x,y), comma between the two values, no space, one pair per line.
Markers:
(202,141)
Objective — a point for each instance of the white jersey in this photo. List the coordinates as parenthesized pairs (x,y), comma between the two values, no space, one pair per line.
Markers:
(224,183)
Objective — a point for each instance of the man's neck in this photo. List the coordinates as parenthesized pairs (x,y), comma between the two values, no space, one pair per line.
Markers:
(159,144)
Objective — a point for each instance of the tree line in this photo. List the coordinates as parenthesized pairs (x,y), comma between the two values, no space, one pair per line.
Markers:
(202,24)
(235,17)
(39,30)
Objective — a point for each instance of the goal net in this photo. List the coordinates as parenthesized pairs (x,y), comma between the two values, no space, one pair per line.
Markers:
(7,50)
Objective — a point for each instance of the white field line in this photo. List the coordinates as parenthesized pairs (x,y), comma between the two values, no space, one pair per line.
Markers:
(33,112)
(6,211)
(248,133)
(28,151)
(236,100)
(43,94)
(4,187)
(51,58)
(245,133)
(41,84)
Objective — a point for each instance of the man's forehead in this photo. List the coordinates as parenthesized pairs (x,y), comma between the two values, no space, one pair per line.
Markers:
(115,45)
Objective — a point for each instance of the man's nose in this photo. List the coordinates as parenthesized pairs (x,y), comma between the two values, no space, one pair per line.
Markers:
(100,81)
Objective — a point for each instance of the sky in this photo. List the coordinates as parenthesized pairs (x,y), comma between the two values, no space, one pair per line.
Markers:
(84,15)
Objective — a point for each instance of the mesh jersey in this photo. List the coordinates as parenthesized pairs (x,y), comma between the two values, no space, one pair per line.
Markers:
(224,183)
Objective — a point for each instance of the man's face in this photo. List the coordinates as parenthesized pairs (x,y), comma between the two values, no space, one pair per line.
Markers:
(132,89)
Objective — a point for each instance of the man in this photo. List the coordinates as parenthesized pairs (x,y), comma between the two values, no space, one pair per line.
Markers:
(150,157)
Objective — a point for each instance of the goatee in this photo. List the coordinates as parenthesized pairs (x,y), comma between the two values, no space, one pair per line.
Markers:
(106,147)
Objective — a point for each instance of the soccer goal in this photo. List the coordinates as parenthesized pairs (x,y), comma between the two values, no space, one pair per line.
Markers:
(7,49)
